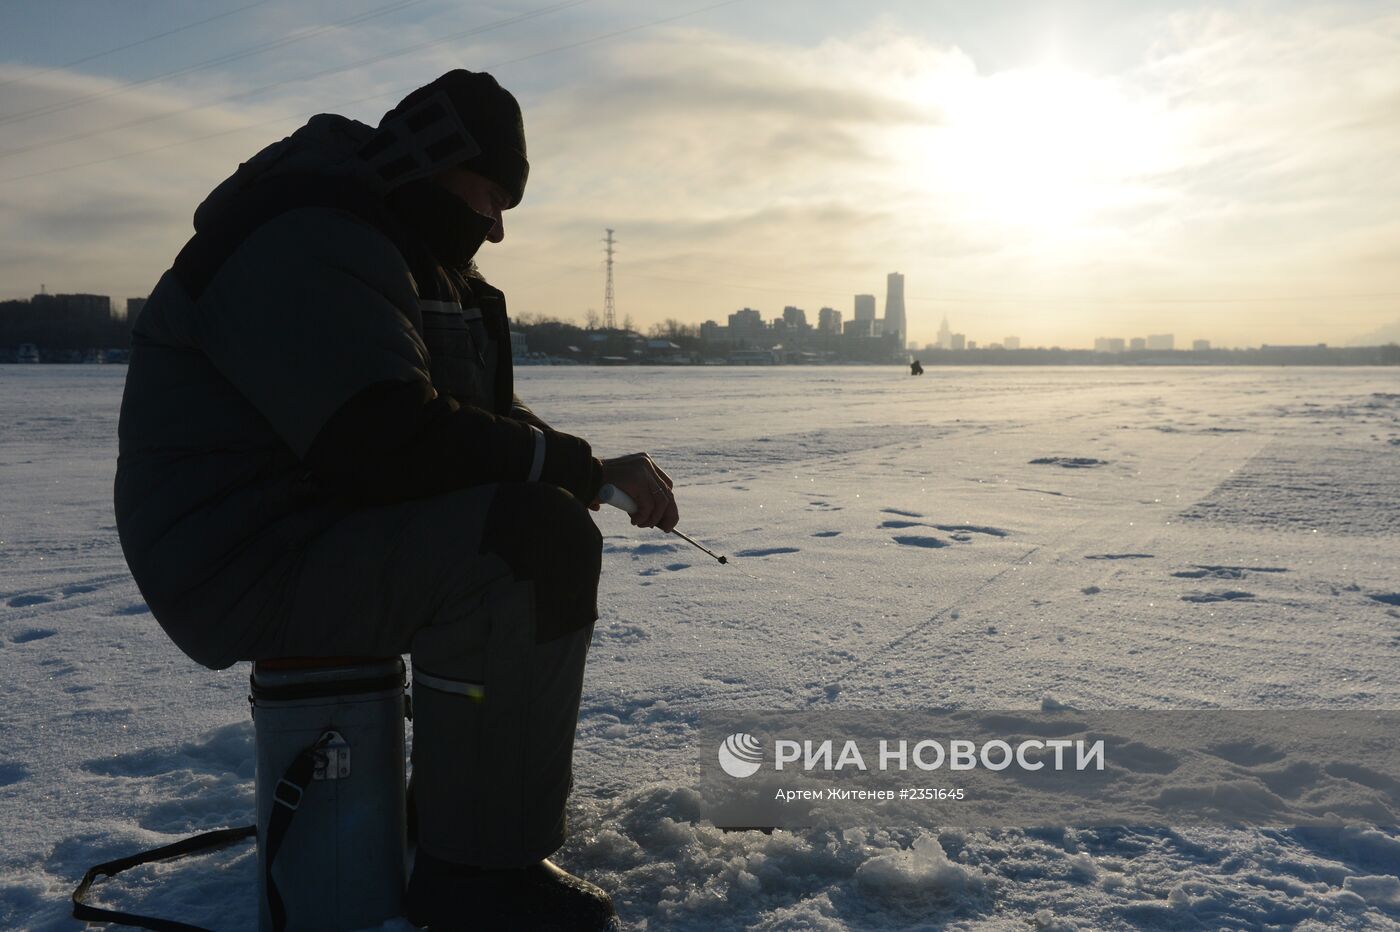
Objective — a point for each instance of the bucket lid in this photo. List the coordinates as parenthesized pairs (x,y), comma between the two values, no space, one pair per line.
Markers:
(336,676)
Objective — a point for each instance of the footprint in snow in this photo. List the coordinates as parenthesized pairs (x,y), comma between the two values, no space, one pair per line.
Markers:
(33,634)
(139,608)
(826,533)
(914,540)
(1069,462)
(12,773)
(1119,556)
(973,529)
(766,551)
(1387,598)
(670,568)
(641,550)
(622,632)
(1226,595)
(1202,571)
(898,511)
(23,601)
(959,531)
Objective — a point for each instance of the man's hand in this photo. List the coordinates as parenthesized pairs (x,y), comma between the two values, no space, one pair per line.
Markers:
(649,487)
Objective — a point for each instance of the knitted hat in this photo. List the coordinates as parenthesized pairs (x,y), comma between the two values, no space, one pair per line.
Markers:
(463,119)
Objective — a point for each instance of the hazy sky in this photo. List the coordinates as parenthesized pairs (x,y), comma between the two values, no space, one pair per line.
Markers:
(1057,171)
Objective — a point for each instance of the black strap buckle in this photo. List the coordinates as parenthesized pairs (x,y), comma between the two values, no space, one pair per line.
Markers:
(281,794)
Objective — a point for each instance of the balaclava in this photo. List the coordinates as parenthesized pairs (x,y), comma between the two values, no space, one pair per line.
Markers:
(463,119)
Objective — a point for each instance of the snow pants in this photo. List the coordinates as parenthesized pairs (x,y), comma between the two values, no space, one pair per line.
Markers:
(493,590)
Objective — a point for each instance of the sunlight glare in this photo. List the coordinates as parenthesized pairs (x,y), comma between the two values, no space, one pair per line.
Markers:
(1043,151)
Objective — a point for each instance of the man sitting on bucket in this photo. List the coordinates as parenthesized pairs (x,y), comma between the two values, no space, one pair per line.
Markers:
(322,455)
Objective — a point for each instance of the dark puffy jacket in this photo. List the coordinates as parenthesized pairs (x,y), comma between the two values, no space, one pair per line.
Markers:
(282,374)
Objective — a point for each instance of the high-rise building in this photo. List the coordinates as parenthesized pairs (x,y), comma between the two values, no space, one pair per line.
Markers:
(712,332)
(1200,346)
(746,324)
(1108,345)
(957,341)
(865,327)
(795,318)
(1161,341)
(1137,343)
(865,307)
(945,334)
(894,308)
(73,308)
(829,320)
(1011,342)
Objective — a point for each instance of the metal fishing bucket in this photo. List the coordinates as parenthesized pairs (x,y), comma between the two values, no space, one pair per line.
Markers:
(330,792)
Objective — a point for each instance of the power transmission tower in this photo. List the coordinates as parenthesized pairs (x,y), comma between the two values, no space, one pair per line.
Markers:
(609,309)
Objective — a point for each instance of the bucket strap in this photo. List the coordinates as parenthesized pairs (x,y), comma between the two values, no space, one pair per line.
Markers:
(286,798)
(205,842)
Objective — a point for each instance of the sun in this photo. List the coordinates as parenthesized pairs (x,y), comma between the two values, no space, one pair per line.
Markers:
(1044,151)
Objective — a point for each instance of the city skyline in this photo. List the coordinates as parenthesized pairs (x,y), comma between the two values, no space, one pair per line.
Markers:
(1055,171)
(743,324)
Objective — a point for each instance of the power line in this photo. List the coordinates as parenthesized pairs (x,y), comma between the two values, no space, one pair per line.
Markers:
(774,287)
(476,30)
(359,100)
(28,78)
(168,145)
(221,60)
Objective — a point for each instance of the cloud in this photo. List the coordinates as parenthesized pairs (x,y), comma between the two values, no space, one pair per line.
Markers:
(1285,118)
(721,160)
(1244,154)
(728,116)
(112,227)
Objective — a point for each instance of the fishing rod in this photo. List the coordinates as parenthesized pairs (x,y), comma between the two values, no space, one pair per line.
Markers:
(612,495)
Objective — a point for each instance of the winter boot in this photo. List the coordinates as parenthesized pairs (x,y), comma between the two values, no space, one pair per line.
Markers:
(544,897)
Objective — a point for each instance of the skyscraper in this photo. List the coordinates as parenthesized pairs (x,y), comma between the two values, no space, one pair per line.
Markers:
(945,334)
(894,308)
(865,307)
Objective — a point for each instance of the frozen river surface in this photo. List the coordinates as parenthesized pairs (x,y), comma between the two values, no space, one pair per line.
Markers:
(997,538)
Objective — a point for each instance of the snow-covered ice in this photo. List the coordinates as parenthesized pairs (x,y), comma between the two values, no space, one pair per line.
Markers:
(991,538)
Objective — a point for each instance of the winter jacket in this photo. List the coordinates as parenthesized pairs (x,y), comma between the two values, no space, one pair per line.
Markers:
(315,348)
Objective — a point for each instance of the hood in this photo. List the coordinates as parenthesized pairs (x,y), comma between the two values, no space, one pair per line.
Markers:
(326,145)
(408,146)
